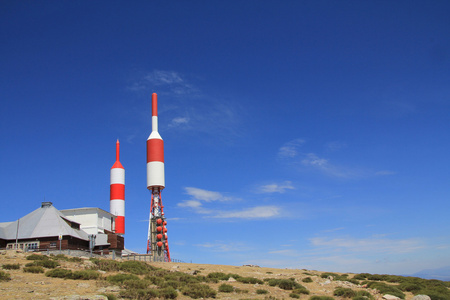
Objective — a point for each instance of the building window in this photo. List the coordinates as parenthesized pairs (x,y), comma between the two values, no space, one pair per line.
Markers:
(52,244)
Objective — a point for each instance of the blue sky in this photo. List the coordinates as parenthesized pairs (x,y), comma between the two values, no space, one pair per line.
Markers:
(300,134)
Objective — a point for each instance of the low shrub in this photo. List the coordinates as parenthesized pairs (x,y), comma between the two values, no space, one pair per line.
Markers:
(37,257)
(140,294)
(46,263)
(273,281)
(326,275)
(59,273)
(344,292)
(288,284)
(240,291)
(294,295)
(136,267)
(386,289)
(301,290)
(307,279)
(4,276)
(262,291)
(168,293)
(321,298)
(218,275)
(363,295)
(105,265)
(110,296)
(226,288)
(362,276)
(34,269)
(120,278)
(75,259)
(135,284)
(198,290)
(84,275)
(11,266)
(249,280)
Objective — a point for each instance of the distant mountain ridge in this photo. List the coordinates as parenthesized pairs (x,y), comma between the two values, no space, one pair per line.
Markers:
(439,273)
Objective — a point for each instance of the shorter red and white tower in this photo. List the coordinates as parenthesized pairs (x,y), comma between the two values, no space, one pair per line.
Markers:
(157,242)
(117,193)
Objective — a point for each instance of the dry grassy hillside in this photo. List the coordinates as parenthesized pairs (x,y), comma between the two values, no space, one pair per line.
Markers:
(108,279)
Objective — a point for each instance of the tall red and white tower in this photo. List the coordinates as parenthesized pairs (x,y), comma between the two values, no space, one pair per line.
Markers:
(157,242)
(117,192)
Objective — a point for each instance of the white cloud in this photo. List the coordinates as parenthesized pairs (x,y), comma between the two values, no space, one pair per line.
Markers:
(204,195)
(221,246)
(290,149)
(290,153)
(178,121)
(167,82)
(275,187)
(190,203)
(258,212)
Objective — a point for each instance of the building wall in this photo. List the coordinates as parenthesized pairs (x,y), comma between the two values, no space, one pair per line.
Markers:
(92,220)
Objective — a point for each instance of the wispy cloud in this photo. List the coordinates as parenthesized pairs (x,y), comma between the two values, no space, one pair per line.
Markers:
(259,212)
(221,246)
(165,81)
(200,197)
(275,187)
(190,109)
(205,195)
(290,149)
(292,153)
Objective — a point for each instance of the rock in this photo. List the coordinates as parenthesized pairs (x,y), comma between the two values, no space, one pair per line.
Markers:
(231,279)
(390,297)
(421,297)
(195,272)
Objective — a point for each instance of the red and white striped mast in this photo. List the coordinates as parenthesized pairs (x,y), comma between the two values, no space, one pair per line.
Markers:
(157,242)
(117,193)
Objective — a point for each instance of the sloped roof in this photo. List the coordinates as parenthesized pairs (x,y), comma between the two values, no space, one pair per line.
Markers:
(45,221)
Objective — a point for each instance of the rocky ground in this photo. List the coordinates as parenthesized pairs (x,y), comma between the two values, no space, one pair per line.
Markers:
(37,286)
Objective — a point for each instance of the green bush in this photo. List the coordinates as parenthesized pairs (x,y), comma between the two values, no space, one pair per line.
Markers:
(33,269)
(168,293)
(4,276)
(48,264)
(141,294)
(361,276)
(84,275)
(120,278)
(75,259)
(136,267)
(106,265)
(250,280)
(226,288)
(288,284)
(218,275)
(363,295)
(59,273)
(386,289)
(273,281)
(198,290)
(410,287)
(110,296)
(326,275)
(293,295)
(37,257)
(261,291)
(156,280)
(344,292)
(301,290)
(11,266)
(307,279)
(321,298)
